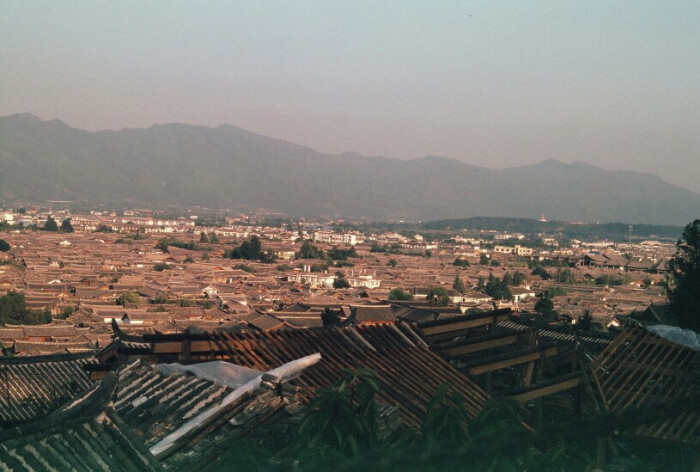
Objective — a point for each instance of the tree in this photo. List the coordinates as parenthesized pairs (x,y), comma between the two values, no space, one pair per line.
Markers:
(309,251)
(341,282)
(684,289)
(342,417)
(461,262)
(542,272)
(399,295)
(203,237)
(497,288)
(518,278)
(13,310)
(483,259)
(4,245)
(437,296)
(214,238)
(392,263)
(545,307)
(564,276)
(584,321)
(161,266)
(128,297)
(251,249)
(66,226)
(330,317)
(458,285)
(50,225)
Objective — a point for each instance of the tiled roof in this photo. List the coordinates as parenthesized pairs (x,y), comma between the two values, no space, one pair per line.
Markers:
(408,371)
(81,436)
(36,384)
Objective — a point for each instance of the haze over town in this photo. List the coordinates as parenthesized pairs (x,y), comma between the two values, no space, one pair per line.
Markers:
(491,84)
(306,236)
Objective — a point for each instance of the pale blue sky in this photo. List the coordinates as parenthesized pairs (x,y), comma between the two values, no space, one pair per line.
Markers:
(496,84)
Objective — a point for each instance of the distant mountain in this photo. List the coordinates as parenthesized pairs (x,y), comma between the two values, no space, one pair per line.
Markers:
(178,164)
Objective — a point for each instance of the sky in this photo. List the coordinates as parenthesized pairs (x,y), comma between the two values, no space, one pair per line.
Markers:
(491,83)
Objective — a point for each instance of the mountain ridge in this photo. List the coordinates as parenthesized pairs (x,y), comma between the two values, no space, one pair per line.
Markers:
(227,166)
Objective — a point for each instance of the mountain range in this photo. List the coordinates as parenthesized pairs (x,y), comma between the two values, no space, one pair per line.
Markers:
(228,167)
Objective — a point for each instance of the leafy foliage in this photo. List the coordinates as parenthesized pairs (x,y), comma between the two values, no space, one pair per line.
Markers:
(161,266)
(67,226)
(50,224)
(128,297)
(545,307)
(564,276)
(309,251)
(542,272)
(400,295)
(684,292)
(341,418)
(164,243)
(250,249)
(437,296)
(497,288)
(244,268)
(341,282)
(446,420)
(338,254)
(13,310)
(458,285)
(461,262)
(330,317)
(611,280)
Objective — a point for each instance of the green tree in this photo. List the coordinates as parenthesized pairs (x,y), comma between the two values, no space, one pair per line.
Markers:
(437,296)
(518,279)
(507,279)
(330,317)
(545,306)
(483,259)
(214,238)
(497,288)
(392,263)
(564,276)
(161,266)
(309,251)
(67,226)
(584,321)
(461,262)
(4,246)
(50,225)
(341,282)
(342,418)
(542,272)
(251,249)
(13,310)
(203,237)
(399,295)
(684,289)
(458,285)
(128,297)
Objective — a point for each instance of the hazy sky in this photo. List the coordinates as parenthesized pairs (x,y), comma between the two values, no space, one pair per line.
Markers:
(492,83)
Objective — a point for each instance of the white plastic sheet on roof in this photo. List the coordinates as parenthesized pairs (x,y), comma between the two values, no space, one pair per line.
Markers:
(684,337)
(285,372)
(223,373)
